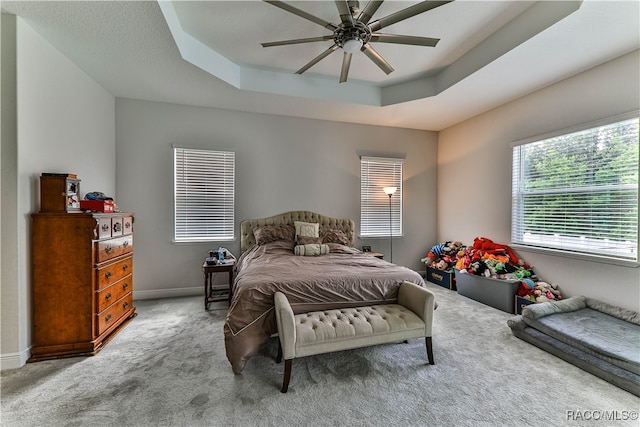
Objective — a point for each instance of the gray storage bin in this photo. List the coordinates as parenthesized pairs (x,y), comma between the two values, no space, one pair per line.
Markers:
(499,294)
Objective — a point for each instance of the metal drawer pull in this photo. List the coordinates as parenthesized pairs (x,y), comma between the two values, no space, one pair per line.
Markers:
(107,296)
(107,274)
(105,227)
(107,317)
(127,225)
(108,249)
(126,243)
(117,226)
(125,285)
(125,304)
(125,266)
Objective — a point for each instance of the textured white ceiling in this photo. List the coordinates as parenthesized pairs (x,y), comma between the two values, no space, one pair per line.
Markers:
(128,48)
(459,26)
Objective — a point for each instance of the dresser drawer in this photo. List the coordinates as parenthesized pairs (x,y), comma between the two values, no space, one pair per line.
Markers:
(114,226)
(109,274)
(104,227)
(109,295)
(114,312)
(127,225)
(112,248)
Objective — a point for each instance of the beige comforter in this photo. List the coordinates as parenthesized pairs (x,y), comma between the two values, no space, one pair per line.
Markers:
(345,277)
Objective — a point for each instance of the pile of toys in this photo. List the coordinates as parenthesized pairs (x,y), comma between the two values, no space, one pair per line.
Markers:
(489,259)
(538,291)
(443,256)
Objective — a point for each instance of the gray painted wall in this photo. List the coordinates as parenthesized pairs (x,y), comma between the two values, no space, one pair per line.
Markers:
(9,236)
(282,164)
(474,172)
(65,122)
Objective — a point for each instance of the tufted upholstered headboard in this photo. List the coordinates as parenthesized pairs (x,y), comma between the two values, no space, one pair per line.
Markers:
(247,240)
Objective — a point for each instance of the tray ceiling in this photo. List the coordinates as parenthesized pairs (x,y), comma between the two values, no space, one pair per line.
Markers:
(208,53)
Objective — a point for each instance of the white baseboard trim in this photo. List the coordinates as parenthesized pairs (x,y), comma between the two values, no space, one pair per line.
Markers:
(14,360)
(168,293)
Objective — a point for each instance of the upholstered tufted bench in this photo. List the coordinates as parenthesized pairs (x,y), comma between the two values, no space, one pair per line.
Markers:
(325,331)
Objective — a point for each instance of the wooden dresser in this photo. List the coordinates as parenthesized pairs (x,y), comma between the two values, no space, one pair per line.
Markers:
(82,281)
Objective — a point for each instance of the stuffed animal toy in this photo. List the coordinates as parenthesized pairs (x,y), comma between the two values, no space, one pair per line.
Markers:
(546,292)
(437,251)
(478,268)
(442,265)
(488,246)
(538,291)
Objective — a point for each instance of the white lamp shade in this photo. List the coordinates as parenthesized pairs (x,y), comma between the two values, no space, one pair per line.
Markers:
(389,191)
(352,45)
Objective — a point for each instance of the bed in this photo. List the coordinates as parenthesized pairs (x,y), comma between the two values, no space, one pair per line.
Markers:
(342,278)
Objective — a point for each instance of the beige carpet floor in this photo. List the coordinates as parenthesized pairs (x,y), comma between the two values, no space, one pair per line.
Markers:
(168,368)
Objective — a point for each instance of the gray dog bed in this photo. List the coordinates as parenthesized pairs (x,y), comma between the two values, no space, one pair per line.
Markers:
(595,336)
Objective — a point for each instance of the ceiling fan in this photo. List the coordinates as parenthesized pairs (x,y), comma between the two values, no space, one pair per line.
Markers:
(355,33)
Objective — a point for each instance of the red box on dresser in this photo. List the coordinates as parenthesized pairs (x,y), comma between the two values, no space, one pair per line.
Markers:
(105,206)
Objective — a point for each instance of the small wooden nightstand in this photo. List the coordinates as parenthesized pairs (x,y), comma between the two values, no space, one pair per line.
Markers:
(213,293)
(376,254)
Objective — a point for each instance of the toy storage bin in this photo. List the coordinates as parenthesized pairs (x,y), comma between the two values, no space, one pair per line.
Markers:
(445,279)
(496,293)
(522,303)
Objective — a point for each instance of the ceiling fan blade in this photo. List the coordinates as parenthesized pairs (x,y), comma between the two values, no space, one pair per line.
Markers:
(346,63)
(297,41)
(376,58)
(345,13)
(406,13)
(301,13)
(369,11)
(317,59)
(398,39)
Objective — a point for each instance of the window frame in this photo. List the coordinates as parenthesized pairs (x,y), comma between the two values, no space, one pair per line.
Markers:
(214,170)
(559,251)
(371,190)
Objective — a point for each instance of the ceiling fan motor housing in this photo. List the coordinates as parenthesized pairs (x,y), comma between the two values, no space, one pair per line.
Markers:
(357,31)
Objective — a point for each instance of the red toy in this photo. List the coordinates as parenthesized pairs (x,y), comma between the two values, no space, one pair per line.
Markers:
(488,246)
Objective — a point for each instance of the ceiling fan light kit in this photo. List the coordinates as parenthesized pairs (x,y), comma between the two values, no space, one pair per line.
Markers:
(354,33)
(352,45)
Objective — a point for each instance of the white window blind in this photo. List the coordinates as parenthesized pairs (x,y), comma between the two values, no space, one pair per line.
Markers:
(578,192)
(204,191)
(375,174)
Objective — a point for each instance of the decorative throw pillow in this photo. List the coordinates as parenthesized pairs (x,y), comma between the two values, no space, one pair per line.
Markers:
(311,250)
(271,233)
(334,236)
(306,240)
(309,229)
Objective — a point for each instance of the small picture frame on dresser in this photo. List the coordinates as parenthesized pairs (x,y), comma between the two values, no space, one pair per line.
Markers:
(366,249)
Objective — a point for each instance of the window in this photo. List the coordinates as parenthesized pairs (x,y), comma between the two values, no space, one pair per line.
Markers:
(375,174)
(204,195)
(578,192)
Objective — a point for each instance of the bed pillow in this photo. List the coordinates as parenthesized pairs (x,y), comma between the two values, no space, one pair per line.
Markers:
(334,236)
(308,229)
(306,240)
(271,233)
(311,250)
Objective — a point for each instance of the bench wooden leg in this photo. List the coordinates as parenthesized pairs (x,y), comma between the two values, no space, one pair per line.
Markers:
(429,350)
(279,356)
(287,375)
